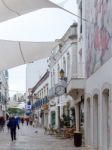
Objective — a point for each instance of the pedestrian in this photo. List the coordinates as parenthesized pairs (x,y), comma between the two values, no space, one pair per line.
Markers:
(2,123)
(22,121)
(12,124)
(36,122)
(17,120)
(27,121)
(7,121)
(31,120)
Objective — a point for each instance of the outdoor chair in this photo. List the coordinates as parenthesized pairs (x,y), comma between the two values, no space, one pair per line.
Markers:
(69,132)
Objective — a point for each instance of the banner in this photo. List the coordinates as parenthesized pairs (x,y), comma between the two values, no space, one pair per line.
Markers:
(28,106)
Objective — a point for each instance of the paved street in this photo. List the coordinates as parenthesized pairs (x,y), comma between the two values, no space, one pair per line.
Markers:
(27,139)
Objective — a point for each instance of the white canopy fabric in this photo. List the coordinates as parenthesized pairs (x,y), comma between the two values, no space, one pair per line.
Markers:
(14,53)
(13,8)
(17,53)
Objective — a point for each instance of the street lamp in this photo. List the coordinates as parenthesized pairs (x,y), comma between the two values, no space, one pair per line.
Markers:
(62,73)
(60,88)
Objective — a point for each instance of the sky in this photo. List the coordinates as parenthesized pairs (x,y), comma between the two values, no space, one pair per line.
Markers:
(17,80)
(24,28)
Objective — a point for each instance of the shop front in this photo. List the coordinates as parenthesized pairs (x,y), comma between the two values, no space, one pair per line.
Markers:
(45,110)
(42,106)
(53,118)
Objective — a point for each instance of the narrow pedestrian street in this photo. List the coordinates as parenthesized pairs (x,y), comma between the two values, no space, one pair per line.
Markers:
(28,139)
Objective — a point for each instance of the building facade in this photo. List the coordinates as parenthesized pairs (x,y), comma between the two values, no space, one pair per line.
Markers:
(96,39)
(4,92)
(66,57)
(40,101)
(34,72)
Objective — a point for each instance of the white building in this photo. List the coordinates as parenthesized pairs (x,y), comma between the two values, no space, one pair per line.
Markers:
(66,57)
(97,43)
(34,72)
(40,100)
(4,93)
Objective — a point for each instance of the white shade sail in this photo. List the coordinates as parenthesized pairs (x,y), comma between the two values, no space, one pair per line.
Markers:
(13,52)
(42,25)
(17,53)
(13,8)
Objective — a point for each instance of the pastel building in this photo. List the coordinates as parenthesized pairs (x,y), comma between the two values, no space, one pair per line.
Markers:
(96,37)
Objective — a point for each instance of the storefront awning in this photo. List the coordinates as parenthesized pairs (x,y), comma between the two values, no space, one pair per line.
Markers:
(40,102)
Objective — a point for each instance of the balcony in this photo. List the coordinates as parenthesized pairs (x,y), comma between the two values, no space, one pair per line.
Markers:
(75,85)
(76,80)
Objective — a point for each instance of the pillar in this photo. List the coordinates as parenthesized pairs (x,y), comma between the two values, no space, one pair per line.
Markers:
(74,61)
(77,116)
(57,118)
(61,111)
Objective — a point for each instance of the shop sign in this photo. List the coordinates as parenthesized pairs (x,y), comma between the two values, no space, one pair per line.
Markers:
(28,107)
(45,107)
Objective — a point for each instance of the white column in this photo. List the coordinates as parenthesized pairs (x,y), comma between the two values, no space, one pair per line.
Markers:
(91,124)
(95,122)
(110,104)
(61,111)
(57,117)
(74,60)
(77,117)
(85,121)
(100,122)
(105,121)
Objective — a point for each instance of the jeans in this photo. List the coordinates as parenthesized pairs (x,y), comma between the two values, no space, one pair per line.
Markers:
(13,134)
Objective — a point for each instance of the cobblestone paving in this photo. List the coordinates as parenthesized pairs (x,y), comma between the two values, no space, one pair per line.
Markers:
(27,139)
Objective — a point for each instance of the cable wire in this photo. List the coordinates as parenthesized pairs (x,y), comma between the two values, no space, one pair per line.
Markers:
(84,19)
(21,53)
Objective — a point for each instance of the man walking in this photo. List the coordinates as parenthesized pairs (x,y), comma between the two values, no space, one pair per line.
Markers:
(12,124)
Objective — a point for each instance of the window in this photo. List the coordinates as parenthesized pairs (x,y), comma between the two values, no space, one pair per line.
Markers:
(68,64)
(44,91)
(47,89)
(51,80)
(53,77)
(64,65)
(58,71)
(0,96)
(0,85)
(80,17)
(40,94)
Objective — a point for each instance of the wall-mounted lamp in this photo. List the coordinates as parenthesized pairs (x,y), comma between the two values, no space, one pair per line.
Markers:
(62,73)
